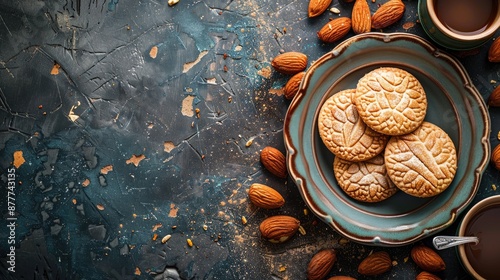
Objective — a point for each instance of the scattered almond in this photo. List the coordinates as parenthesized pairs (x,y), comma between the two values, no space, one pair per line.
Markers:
(494,51)
(278,229)
(289,63)
(335,30)
(375,264)
(265,197)
(424,275)
(317,7)
(274,161)
(387,14)
(361,17)
(320,264)
(494,99)
(427,259)
(495,157)
(292,86)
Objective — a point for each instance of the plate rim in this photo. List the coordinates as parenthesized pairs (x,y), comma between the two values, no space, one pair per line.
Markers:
(291,151)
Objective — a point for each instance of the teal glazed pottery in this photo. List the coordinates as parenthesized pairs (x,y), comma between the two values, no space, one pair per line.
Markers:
(454,104)
(445,37)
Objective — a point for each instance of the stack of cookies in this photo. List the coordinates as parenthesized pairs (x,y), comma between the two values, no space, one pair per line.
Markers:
(381,142)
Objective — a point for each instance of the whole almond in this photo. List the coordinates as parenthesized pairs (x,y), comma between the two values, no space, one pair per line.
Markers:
(317,7)
(292,86)
(274,161)
(495,157)
(265,197)
(389,13)
(290,63)
(424,275)
(278,229)
(427,259)
(340,277)
(375,264)
(361,17)
(494,51)
(320,264)
(494,99)
(335,30)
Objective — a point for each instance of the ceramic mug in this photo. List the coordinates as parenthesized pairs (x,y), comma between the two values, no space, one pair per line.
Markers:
(459,24)
(481,260)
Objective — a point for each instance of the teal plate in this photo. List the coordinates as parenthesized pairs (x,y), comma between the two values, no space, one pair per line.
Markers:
(454,104)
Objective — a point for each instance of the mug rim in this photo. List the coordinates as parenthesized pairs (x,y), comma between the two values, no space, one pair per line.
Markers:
(490,31)
(484,203)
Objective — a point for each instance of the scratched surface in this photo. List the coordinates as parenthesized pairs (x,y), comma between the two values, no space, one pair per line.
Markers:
(135,119)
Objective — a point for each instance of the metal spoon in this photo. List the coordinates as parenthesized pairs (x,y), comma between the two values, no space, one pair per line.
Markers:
(442,242)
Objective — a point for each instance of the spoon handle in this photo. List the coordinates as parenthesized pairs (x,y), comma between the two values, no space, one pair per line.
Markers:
(442,242)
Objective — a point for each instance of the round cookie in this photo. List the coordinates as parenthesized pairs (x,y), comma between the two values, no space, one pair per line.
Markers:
(344,133)
(365,181)
(422,163)
(390,101)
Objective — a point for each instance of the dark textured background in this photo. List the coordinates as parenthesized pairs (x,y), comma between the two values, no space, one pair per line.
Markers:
(111,101)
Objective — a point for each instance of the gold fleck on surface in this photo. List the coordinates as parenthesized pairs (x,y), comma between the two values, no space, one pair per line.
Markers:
(153,52)
(55,69)
(302,230)
(135,159)
(106,169)
(189,242)
(244,220)
(166,238)
(172,2)
(18,159)
(408,25)
(86,182)
(173,211)
(157,226)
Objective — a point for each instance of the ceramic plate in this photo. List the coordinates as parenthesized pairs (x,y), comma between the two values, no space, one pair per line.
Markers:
(454,104)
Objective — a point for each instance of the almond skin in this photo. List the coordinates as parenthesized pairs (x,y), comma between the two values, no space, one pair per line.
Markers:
(495,157)
(424,275)
(278,229)
(290,63)
(494,51)
(320,264)
(265,197)
(387,14)
(494,99)
(274,161)
(335,30)
(292,86)
(361,17)
(427,259)
(317,7)
(375,264)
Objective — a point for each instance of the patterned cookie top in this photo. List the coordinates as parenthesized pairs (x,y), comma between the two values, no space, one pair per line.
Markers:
(344,133)
(365,181)
(422,163)
(391,101)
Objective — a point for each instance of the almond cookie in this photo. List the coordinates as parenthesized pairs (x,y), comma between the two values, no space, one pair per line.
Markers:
(344,133)
(390,101)
(365,181)
(422,163)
